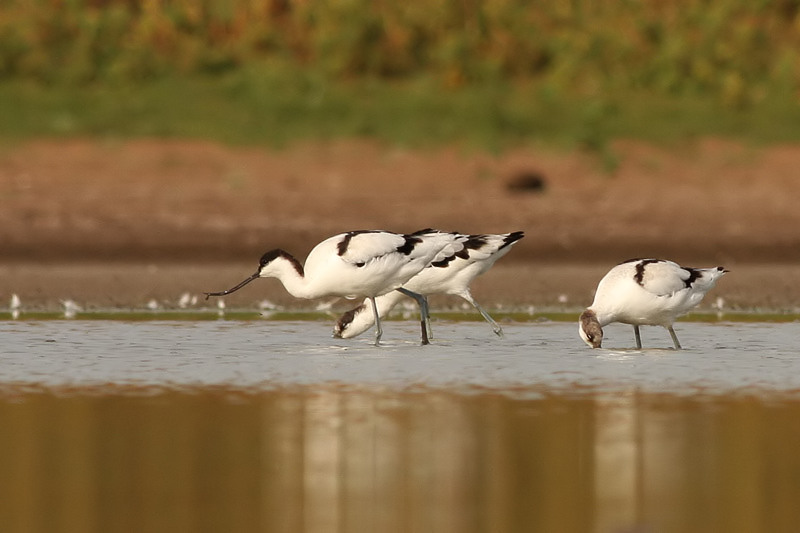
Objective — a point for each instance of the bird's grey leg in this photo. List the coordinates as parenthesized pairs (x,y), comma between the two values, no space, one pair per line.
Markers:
(674,338)
(425,316)
(638,337)
(378,329)
(495,326)
(428,329)
(423,311)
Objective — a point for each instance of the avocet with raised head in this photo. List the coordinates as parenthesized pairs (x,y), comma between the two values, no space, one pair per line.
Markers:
(365,263)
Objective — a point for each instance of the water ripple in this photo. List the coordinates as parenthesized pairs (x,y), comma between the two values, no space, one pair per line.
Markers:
(533,356)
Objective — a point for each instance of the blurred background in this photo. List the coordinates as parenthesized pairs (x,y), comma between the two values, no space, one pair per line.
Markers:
(154,149)
(208,132)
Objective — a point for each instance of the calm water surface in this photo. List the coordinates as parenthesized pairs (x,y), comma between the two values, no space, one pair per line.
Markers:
(273,426)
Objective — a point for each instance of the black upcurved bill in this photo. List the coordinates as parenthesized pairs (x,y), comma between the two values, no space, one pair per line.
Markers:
(232,289)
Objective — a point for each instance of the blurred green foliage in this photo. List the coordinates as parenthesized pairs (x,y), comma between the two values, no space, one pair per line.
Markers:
(736,50)
(414,71)
(246,108)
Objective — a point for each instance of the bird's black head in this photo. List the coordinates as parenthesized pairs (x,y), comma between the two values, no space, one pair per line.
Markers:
(270,256)
(278,254)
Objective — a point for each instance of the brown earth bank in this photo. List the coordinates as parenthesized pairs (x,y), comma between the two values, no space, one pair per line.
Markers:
(193,204)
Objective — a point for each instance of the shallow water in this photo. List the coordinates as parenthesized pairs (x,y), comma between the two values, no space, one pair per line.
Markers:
(718,358)
(274,426)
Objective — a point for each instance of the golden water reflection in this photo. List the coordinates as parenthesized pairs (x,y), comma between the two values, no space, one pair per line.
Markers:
(330,458)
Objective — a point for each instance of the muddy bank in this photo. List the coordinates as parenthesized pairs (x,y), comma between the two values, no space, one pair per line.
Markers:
(120,223)
(707,202)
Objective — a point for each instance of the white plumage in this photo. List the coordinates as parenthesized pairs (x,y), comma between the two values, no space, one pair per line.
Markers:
(651,292)
(451,272)
(357,263)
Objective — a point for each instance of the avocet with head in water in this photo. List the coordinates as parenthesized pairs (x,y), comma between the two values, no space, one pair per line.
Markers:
(357,263)
(645,292)
(449,273)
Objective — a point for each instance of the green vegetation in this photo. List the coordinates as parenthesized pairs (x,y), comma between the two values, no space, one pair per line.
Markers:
(236,109)
(486,73)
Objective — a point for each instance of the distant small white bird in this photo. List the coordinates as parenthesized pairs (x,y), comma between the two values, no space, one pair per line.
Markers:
(186,300)
(357,263)
(266,305)
(325,306)
(645,292)
(449,273)
(15,306)
(70,308)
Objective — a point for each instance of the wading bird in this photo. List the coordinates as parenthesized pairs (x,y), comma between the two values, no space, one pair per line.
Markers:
(365,263)
(449,273)
(645,292)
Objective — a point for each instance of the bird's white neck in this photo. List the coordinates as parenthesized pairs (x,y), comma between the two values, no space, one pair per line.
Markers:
(290,273)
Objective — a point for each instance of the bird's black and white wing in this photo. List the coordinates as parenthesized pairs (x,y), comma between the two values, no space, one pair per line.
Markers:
(361,247)
(476,248)
(662,277)
(452,250)
(482,247)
